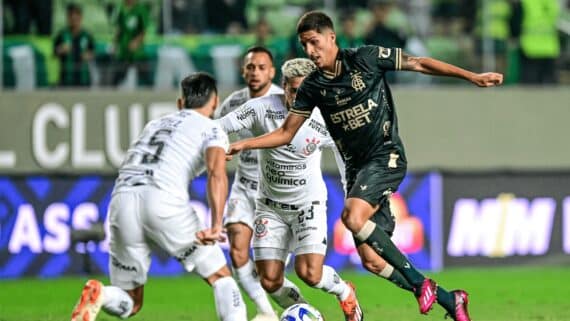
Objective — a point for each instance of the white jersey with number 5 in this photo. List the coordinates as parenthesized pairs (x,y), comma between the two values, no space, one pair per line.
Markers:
(289,174)
(247,164)
(170,152)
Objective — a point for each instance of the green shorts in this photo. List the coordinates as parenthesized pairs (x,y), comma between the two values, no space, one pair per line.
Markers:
(374,183)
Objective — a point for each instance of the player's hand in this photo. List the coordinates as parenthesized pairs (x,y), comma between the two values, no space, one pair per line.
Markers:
(63,49)
(488,79)
(210,236)
(235,148)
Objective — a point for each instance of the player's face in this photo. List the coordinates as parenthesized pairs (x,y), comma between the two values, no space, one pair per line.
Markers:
(290,87)
(258,72)
(320,47)
(74,19)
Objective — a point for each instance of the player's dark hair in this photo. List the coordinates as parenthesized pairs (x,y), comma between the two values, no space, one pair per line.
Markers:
(314,20)
(73,7)
(259,49)
(197,89)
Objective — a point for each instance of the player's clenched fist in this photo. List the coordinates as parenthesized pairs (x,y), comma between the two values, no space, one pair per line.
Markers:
(488,79)
(235,148)
(210,236)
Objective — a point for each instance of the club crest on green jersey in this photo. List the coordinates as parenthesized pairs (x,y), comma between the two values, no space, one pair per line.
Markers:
(357,82)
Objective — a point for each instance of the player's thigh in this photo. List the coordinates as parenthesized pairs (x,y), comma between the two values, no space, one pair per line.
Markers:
(309,229)
(172,224)
(373,181)
(129,254)
(368,196)
(271,236)
(241,206)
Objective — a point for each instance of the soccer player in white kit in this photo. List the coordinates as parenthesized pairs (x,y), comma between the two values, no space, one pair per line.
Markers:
(258,72)
(291,200)
(150,201)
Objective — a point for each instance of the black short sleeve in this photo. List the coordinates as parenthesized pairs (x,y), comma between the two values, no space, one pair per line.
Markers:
(304,102)
(382,57)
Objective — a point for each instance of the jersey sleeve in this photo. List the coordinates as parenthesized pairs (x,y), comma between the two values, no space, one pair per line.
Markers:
(304,102)
(214,136)
(244,117)
(382,57)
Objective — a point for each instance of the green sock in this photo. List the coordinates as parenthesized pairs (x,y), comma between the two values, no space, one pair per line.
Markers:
(383,246)
(446,300)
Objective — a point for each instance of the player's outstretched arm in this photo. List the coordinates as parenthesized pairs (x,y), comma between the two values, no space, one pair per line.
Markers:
(436,67)
(281,136)
(217,193)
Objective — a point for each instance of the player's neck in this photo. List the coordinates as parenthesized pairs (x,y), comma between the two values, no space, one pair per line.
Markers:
(331,65)
(204,111)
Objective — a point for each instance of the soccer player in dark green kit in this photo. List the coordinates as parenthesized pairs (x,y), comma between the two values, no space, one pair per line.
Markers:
(351,92)
(74,47)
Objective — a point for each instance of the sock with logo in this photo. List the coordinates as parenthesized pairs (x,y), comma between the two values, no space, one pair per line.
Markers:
(287,295)
(392,275)
(117,302)
(229,303)
(332,283)
(248,279)
(383,246)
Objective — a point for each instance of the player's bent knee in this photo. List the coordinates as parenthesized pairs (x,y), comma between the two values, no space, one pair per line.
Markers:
(271,285)
(352,220)
(311,277)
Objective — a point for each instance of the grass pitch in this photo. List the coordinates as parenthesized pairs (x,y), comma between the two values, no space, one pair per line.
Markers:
(497,294)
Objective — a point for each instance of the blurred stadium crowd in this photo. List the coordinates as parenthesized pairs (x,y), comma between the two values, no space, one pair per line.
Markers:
(132,43)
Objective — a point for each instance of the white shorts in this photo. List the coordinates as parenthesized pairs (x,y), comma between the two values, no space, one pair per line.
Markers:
(139,213)
(241,203)
(281,228)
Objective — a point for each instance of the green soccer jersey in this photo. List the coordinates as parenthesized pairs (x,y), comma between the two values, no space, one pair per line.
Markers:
(131,22)
(356,103)
(74,70)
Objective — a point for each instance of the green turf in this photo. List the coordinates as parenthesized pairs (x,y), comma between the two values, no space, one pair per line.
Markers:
(505,294)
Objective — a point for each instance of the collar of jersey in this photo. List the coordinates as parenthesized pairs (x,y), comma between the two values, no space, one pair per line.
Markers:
(337,69)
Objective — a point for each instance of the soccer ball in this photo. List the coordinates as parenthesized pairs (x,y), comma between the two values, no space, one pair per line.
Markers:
(301,312)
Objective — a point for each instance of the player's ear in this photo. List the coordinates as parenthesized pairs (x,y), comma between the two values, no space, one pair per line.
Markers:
(332,35)
(243,72)
(217,103)
(214,101)
(272,72)
(180,103)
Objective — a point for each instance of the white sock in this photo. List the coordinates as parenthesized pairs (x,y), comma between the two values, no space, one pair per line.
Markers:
(332,283)
(287,295)
(117,302)
(229,303)
(247,277)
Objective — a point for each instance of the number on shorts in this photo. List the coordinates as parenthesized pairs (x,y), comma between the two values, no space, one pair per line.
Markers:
(309,215)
